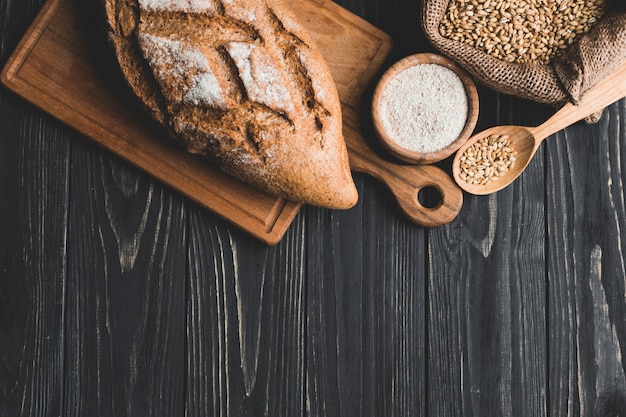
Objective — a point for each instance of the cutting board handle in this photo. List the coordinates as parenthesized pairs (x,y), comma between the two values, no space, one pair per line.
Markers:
(406,182)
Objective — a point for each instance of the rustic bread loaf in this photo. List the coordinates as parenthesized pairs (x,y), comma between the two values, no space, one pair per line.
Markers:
(239,82)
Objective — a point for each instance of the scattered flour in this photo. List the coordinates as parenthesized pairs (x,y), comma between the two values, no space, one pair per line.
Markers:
(172,60)
(307,61)
(245,10)
(262,80)
(424,108)
(206,90)
(178,5)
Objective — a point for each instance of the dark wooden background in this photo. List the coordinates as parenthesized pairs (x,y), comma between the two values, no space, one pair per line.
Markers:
(119,297)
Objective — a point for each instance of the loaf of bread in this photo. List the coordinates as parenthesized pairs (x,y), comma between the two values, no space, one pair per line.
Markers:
(239,82)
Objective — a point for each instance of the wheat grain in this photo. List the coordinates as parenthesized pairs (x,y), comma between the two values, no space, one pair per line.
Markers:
(529,31)
(487,159)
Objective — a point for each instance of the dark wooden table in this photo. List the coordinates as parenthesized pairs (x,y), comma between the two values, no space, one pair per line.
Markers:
(120,297)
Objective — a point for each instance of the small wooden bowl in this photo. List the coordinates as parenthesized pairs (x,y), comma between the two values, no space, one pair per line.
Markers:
(408,155)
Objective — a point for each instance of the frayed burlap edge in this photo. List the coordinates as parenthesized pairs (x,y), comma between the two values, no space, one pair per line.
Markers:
(594,57)
(580,68)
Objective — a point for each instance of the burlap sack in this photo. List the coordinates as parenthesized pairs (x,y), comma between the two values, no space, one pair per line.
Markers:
(570,74)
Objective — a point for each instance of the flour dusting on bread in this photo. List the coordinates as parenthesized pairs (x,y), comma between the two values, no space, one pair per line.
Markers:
(182,71)
(179,5)
(239,82)
(262,80)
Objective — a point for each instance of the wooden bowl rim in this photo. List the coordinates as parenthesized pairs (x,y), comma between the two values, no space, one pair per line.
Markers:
(414,157)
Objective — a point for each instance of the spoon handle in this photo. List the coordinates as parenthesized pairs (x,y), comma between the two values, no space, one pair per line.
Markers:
(606,92)
(407,181)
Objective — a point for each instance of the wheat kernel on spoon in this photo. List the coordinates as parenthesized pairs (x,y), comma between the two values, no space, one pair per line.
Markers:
(496,156)
(525,140)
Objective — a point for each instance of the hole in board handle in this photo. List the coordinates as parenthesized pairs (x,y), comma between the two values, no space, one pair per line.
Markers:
(430,197)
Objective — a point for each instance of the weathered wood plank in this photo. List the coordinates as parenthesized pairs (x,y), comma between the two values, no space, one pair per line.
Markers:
(125,321)
(334,320)
(33,204)
(486,330)
(587,306)
(365,302)
(245,322)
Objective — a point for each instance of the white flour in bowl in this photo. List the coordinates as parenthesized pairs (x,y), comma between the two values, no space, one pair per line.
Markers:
(424,108)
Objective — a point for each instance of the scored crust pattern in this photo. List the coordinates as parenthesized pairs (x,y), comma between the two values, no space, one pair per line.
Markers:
(238,82)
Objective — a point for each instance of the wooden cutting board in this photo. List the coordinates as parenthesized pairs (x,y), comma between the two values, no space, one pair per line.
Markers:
(56,68)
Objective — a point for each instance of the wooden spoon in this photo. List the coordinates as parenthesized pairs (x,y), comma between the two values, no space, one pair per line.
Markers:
(526,140)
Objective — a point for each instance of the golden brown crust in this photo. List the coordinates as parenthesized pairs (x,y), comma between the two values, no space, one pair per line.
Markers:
(239,82)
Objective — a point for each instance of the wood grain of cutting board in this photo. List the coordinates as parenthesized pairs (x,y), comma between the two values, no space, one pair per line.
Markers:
(56,68)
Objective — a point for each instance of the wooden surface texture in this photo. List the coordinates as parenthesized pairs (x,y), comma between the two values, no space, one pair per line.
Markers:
(120,296)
